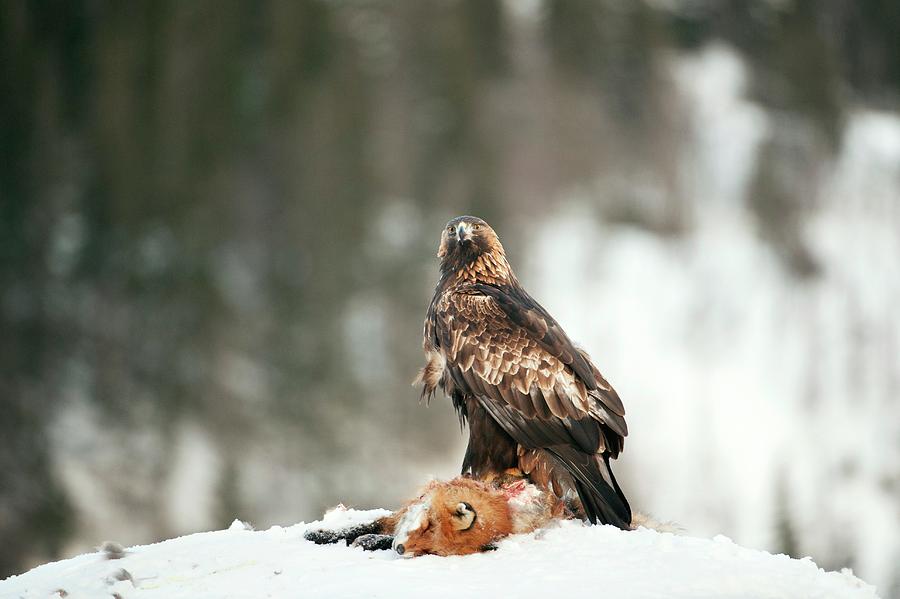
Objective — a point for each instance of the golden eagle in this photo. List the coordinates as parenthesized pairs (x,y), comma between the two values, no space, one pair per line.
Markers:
(533,401)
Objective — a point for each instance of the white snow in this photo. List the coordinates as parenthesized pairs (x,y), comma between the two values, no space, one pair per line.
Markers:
(568,559)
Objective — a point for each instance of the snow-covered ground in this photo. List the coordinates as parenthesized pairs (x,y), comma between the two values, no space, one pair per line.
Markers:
(568,560)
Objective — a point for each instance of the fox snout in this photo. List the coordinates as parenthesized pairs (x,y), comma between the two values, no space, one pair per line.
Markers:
(413,523)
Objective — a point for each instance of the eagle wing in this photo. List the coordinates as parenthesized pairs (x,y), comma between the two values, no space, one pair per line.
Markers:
(502,347)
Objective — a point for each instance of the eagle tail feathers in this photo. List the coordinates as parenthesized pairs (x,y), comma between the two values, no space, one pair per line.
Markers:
(601,497)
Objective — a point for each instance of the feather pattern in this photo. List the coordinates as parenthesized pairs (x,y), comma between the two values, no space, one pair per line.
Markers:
(534,401)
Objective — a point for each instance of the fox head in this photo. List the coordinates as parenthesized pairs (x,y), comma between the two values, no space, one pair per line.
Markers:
(457,517)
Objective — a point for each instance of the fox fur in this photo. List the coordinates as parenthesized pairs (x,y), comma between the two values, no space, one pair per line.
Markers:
(463,516)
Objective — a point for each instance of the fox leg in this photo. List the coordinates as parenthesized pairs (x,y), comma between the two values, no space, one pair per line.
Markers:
(373,542)
(382,527)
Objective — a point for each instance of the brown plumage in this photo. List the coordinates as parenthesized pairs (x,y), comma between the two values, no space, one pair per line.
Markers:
(533,401)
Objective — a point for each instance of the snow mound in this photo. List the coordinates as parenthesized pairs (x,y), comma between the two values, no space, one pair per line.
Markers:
(567,559)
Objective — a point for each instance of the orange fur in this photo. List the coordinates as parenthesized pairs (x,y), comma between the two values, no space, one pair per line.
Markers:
(463,516)
(434,524)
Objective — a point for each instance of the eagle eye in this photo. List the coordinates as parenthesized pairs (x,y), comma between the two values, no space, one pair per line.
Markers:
(451,231)
(476,227)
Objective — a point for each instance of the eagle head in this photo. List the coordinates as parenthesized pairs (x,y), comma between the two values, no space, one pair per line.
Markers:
(465,238)
(470,249)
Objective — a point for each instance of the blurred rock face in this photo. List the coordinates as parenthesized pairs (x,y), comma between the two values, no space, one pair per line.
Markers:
(218,227)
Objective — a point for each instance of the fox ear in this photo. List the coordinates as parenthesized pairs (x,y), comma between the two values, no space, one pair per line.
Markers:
(464,516)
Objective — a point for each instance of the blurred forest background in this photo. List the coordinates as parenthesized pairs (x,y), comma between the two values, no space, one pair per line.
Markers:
(218,223)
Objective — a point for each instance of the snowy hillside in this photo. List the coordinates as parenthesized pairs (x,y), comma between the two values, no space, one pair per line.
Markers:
(569,559)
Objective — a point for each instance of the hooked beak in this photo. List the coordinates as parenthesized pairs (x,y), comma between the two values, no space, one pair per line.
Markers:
(463,232)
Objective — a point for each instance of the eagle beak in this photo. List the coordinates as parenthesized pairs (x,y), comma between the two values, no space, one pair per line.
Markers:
(463,232)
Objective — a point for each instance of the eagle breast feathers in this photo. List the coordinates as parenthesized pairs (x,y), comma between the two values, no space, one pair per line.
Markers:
(481,340)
